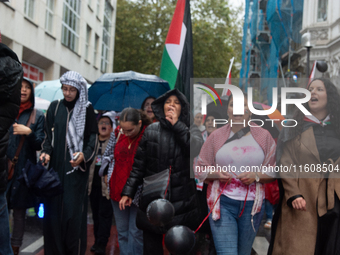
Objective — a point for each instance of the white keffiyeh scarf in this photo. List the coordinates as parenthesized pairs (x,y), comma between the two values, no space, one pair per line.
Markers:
(76,125)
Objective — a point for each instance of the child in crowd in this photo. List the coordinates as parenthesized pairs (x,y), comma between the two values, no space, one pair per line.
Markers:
(99,196)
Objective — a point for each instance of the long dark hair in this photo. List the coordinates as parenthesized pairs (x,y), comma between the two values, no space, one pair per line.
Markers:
(135,115)
(142,107)
(333,108)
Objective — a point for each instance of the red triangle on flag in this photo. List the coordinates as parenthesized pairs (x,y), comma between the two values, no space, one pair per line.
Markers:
(174,34)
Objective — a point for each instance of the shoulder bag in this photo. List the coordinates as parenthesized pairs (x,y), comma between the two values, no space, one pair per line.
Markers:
(156,186)
(12,163)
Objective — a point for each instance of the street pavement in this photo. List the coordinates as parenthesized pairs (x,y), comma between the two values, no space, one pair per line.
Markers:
(33,239)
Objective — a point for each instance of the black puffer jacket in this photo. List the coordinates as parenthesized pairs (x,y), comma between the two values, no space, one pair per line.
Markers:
(163,145)
(11,73)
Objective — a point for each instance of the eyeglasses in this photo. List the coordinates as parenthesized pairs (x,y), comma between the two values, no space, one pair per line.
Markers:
(71,90)
(104,123)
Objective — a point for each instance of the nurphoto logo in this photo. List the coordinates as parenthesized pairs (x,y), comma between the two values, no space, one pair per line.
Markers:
(238,103)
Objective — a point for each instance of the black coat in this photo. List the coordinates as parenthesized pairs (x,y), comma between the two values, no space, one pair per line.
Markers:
(65,215)
(18,194)
(163,145)
(11,73)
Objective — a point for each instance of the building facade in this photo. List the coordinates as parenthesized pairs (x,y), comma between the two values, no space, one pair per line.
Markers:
(272,43)
(51,37)
(322,20)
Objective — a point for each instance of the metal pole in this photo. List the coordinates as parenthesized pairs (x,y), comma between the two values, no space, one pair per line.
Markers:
(307,64)
(282,75)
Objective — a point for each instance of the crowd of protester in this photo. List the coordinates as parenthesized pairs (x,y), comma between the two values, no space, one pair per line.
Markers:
(105,165)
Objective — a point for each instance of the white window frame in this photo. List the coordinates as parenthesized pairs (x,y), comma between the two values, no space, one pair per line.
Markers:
(71,24)
(87,42)
(29,9)
(97,7)
(322,4)
(95,52)
(49,16)
(108,11)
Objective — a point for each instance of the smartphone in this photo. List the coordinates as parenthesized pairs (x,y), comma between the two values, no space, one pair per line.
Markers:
(76,156)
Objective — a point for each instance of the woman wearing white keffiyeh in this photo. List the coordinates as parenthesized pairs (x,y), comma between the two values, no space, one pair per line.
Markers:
(71,129)
(76,126)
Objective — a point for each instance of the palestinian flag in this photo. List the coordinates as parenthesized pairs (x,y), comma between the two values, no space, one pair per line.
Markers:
(312,73)
(177,60)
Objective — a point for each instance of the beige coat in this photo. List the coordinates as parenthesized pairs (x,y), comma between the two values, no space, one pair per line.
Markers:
(296,230)
(105,191)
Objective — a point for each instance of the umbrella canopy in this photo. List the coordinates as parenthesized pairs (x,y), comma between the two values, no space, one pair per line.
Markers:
(41,104)
(50,90)
(116,91)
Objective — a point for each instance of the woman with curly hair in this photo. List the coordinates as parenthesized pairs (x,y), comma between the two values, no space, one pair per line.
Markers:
(308,216)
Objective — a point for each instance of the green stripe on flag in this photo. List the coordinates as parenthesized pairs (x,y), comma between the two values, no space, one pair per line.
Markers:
(168,69)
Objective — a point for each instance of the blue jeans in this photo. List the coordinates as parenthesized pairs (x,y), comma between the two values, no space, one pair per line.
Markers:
(233,235)
(5,247)
(269,210)
(130,238)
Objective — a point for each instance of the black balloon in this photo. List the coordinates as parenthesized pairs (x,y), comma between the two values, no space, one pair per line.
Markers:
(179,240)
(160,212)
(321,66)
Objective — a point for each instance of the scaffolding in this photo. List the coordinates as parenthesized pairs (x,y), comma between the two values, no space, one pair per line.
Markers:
(270,29)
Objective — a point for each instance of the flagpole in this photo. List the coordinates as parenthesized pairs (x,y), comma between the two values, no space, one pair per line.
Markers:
(230,66)
(227,79)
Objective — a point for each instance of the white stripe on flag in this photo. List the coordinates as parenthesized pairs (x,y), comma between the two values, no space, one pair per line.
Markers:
(174,50)
(312,73)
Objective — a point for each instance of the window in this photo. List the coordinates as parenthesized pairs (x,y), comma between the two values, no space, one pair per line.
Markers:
(106,36)
(29,9)
(49,15)
(322,10)
(98,7)
(70,24)
(87,42)
(32,72)
(95,53)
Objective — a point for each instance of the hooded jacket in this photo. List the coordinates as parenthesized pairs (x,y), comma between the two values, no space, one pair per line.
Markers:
(11,73)
(162,145)
(18,194)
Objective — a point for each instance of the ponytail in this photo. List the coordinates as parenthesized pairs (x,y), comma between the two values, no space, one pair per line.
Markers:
(134,115)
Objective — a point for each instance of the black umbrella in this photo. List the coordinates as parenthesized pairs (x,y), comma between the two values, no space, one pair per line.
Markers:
(43,182)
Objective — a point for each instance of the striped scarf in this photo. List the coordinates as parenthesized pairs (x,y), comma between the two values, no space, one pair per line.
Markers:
(312,118)
(108,158)
(76,125)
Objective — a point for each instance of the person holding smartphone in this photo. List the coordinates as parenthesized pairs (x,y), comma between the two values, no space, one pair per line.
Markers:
(71,131)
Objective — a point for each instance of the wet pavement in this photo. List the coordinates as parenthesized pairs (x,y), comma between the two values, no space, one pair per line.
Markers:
(33,239)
